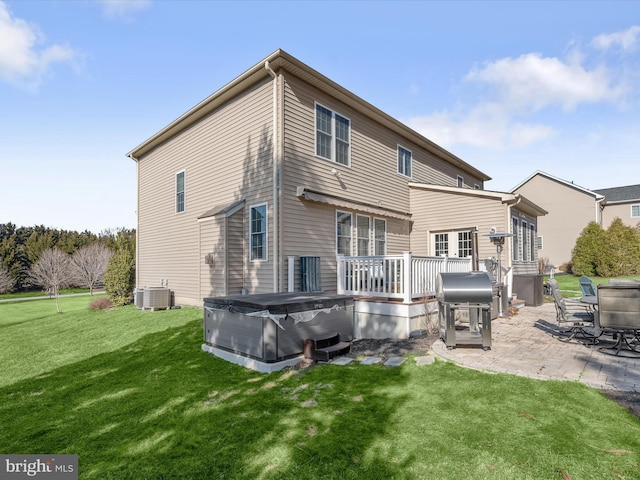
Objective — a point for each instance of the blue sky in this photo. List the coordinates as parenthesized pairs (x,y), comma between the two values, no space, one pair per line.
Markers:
(510,87)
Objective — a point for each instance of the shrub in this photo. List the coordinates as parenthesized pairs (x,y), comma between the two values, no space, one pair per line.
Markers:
(619,252)
(543,265)
(119,278)
(583,258)
(102,303)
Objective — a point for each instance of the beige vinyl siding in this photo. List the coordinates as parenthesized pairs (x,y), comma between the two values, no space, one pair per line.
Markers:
(235,253)
(621,211)
(212,276)
(570,211)
(309,228)
(435,212)
(226,157)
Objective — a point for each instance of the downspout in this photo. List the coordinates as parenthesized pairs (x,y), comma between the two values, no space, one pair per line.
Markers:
(275,178)
(599,209)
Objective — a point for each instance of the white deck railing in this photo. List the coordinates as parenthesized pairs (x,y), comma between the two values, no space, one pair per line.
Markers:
(395,276)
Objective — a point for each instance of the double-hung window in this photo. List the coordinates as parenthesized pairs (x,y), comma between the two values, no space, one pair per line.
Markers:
(380,236)
(525,241)
(404,161)
(258,232)
(635,211)
(532,245)
(343,233)
(515,230)
(333,136)
(363,233)
(180,192)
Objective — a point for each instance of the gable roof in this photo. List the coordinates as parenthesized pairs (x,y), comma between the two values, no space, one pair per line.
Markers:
(629,193)
(282,60)
(586,191)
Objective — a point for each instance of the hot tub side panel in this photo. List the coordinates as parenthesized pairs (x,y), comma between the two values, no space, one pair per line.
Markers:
(290,340)
(235,332)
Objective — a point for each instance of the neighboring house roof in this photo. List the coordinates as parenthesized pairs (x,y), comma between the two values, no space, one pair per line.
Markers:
(629,193)
(514,199)
(592,193)
(281,59)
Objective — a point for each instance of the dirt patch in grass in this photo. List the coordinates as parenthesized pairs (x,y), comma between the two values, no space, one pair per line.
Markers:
(628,400)
(388,347)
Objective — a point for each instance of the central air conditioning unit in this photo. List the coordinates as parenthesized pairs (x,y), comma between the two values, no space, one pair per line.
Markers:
(156,298)
(138,297)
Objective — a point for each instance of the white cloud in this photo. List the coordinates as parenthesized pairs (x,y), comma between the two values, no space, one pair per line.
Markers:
(485,126)
(512,91)
(21,61)
(532,82)
(123,9)
(627,40)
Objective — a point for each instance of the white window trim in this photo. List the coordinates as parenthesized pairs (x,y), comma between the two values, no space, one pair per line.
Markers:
(266,233)
(184,192)
(333,135)
(404,174)
(453,239)
(476,186)
(631,208)
(335,220)
(460,181)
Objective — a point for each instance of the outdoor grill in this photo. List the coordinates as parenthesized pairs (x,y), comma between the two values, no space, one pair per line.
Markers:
(467,298)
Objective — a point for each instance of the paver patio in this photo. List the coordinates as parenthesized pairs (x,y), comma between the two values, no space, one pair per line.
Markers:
(527,344)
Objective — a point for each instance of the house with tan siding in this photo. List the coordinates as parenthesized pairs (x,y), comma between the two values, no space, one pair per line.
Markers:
(283,164)
(571,207)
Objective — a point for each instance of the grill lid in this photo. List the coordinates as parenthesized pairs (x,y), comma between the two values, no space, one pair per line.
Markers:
(463,287)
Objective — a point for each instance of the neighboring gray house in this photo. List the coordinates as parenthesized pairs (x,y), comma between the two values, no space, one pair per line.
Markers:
(283,163)
(570,209)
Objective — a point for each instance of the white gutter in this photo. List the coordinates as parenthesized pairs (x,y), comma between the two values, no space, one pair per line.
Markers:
(275,167)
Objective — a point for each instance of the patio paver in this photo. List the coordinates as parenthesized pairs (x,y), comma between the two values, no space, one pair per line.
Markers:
(525,345)
(395,361)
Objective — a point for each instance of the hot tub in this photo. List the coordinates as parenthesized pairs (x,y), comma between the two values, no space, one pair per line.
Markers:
(272,327)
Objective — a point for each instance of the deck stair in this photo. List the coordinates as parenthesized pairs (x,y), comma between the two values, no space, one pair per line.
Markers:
(324,349)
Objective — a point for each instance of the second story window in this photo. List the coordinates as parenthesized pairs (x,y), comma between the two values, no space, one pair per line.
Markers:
(404,161)
(333,136)
(635,211)
(180,192)
(460,181)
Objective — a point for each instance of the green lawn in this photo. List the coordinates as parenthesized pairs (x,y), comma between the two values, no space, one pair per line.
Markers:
(134,396)
(570,284)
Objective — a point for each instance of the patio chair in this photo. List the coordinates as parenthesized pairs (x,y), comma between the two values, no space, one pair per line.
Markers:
(587,286)
(573,313)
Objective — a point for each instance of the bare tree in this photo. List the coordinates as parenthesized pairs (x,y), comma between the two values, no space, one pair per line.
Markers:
(6,280)
(88,265)
(52,271)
